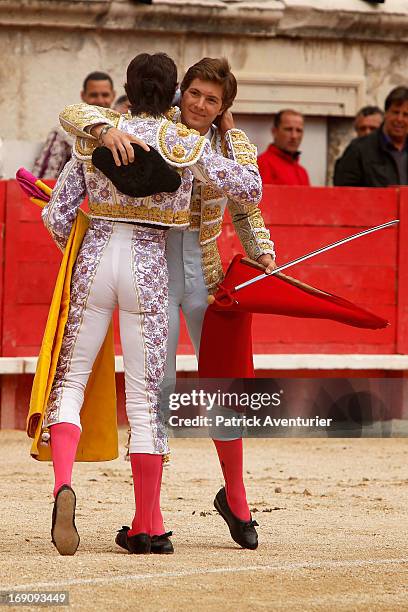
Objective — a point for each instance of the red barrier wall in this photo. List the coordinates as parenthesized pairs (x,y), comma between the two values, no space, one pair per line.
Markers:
(364,271)
(402,305)
(369,271)
(31,266)
(3,192)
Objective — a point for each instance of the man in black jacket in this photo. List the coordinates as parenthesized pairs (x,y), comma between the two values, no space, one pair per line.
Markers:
(381,158)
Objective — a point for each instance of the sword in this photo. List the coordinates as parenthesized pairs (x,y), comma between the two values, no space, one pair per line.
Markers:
(304,258)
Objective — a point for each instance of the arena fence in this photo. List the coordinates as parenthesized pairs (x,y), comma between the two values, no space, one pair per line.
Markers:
(372,272)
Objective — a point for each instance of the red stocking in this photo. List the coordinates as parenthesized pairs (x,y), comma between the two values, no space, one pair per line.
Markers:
(146,471)
(157,518)
(64,444)
(231,459)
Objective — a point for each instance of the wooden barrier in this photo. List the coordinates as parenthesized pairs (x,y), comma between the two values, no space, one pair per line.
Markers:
(372,272)
(31,265)
(3,192)
(402,282)
(364,271)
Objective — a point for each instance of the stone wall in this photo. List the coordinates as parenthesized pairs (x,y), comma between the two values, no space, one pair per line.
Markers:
(327,58)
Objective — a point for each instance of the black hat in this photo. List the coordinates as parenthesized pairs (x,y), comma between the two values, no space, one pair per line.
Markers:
(146,175)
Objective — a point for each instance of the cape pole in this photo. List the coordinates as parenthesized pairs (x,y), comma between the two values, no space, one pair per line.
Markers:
(314,253)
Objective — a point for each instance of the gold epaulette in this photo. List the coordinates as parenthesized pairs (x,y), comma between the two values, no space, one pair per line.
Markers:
(76,117)
(243,150)
(180,146)
(172,113)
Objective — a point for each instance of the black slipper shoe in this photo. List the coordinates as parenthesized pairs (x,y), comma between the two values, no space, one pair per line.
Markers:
(64,534)
(139,544)
(162,545)
(242,532)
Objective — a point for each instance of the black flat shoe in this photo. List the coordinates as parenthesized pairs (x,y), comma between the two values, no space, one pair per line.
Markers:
(162,545)
(242,532)
(139,544)
(64,534)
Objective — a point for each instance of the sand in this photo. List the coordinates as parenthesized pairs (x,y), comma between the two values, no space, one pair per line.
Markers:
(333,530)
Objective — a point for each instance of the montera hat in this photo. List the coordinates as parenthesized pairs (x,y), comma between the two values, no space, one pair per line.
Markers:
(146,175)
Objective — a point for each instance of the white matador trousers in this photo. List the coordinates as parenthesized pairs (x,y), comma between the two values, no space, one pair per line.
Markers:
(188,291)
(118,264)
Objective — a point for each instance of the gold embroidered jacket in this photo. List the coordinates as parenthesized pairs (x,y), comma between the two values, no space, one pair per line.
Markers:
(208,206)
(208,201)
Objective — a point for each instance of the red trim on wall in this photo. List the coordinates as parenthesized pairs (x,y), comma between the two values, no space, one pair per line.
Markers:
(3,195)
(402,302)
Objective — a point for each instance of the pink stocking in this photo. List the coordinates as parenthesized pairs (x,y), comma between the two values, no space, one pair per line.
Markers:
(230,455)
(157,518)
(146,471)
(64,444)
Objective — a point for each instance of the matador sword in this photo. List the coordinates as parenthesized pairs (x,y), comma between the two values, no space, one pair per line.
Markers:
(307,256)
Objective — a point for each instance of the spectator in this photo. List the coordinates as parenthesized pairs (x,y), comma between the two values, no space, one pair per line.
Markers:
(122,104)
(368,119)
(381,158)
(97,90)
(279,164)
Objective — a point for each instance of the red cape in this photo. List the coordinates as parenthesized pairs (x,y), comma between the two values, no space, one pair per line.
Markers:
(226,338)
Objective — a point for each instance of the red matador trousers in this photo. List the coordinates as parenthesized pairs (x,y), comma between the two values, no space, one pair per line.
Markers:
(119,264)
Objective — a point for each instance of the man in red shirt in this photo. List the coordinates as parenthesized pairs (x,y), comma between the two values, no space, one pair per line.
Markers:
(279,164)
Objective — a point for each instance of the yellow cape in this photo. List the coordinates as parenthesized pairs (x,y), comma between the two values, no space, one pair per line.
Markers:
(99,438)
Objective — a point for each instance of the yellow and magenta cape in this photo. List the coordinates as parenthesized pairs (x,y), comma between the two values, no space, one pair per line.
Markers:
(99,439)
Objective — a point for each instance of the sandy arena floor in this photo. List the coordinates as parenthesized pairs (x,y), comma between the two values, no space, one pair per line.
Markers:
(333,518)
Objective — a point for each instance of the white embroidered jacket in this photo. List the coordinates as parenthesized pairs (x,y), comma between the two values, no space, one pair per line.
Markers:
(237,185)
(208,207)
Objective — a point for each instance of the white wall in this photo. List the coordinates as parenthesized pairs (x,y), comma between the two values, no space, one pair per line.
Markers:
(18,153)
(314,145)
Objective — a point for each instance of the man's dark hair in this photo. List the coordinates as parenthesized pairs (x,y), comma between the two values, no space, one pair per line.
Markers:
(397,96)
(97,76)
(151,81)
(214,70)
(121,99)
(366,111)
(278,117)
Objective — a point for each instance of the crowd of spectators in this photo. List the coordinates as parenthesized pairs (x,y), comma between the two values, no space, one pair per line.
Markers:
(380,158)
(377,157)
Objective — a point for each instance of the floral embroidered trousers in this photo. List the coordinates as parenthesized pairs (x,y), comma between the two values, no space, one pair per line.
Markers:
(118,264)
